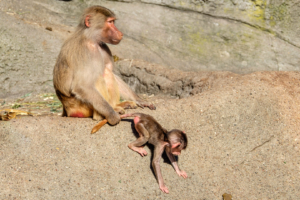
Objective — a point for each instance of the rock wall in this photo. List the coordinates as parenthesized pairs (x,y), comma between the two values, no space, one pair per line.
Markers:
(31,34)
(240,36)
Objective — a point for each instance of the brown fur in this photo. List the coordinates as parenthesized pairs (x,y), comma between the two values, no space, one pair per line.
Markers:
(151,131)
(83,74)
(170,141)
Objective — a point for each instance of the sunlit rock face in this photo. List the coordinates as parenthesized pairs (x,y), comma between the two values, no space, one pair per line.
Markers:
(241,36)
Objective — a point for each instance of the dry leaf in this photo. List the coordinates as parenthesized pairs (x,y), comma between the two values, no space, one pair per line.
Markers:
(116,58)
(8,114)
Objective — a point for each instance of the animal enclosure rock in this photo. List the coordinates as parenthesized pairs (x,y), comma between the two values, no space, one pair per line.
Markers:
(225,35)
(243,133)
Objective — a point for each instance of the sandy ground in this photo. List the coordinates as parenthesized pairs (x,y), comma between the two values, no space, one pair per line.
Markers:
(243,140)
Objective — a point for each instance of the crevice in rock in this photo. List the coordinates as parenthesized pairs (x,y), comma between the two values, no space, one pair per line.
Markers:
(269,140)
(148,78)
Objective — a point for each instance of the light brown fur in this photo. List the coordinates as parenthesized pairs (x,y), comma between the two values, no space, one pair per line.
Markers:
(83,74)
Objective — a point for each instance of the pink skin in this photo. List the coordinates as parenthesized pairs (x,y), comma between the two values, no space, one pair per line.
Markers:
(174,150)
(164,189)
(182,173)
(140,150)
(80,115)
(114,31)
(136,120)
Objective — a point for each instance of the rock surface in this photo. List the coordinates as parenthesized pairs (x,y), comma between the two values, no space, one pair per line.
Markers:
(240,36)
(243,130)
(243,136)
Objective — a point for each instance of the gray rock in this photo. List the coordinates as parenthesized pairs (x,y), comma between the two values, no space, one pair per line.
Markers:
(237,35)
